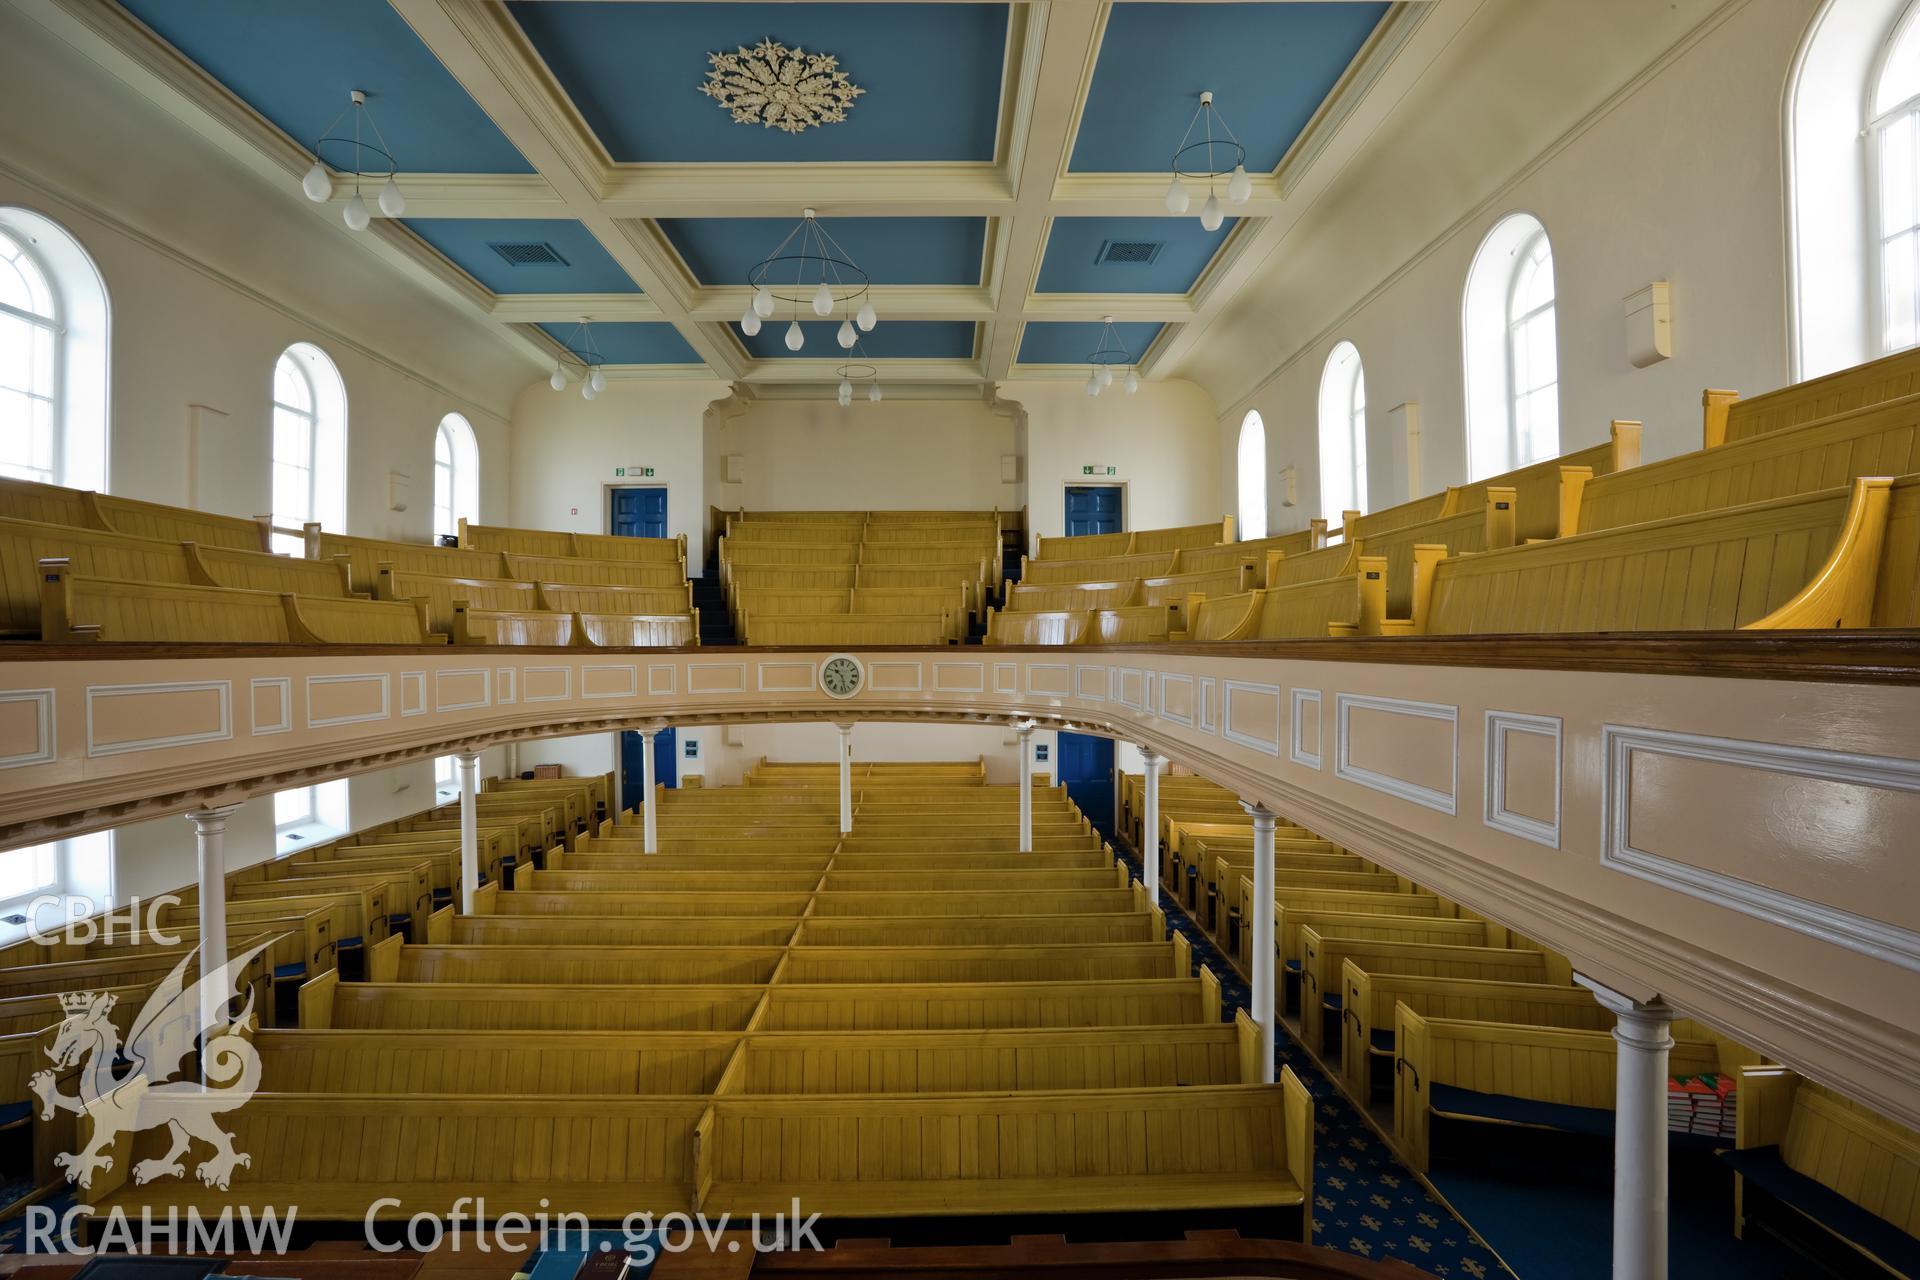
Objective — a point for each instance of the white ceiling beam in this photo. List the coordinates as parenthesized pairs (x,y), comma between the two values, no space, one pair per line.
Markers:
(485,50)
(1064,36)
(565,308)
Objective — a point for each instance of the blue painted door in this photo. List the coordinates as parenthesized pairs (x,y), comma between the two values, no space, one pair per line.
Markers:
(1086,768)
(633,778)
(639,512)
(1095,508)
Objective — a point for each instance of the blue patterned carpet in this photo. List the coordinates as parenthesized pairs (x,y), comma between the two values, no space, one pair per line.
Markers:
(1365,1201)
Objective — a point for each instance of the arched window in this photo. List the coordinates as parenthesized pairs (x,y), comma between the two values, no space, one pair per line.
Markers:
(1252,469)
(456,475)
(1512,357)
(53,356)
(1343,435)
(1893,133)
(309,444)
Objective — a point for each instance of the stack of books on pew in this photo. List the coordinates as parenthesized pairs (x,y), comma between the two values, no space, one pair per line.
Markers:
(1702,1104)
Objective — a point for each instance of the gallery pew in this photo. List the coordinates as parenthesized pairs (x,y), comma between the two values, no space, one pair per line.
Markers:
(78,608)
(1824,1173)
(111,513)
(1496,1073)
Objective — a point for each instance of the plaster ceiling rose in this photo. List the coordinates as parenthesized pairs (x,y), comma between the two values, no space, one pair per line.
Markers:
(780,88)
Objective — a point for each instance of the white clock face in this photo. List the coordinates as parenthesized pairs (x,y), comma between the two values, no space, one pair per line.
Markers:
(840,676)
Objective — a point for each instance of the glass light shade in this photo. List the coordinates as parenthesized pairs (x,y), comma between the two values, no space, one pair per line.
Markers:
(1176,196)
(846,390)
(392,203)
(763,302)
(795,339)
(873,392)
(867,317)
(559,379)
(587,391)
(598,381)
(1211,214)
(1132,384)
(1093,384)
(1239,186)
(317,184)
(823,300)
(1106,376)
(749,321)
(846,335)
(355,214)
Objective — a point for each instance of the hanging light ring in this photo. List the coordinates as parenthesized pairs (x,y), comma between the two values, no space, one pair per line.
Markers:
(1237,156)
(857,372)
(358,151)
(1111,356)
(783,276)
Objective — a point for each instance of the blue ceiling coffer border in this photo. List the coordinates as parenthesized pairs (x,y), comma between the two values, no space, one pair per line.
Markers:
(633,342)
(932,75)
(430,123)
(892,340)
(583,266)
(1076,259)
(1069,341)
(1270,66)
(720,251)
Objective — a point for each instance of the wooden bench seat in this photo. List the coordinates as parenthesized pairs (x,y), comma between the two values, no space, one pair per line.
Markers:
(507,1063)
(962,1005)
(1119,568)
(594,573)
(1110,1150)
(564,597)
(792,577)
(1010,901)
(637,630)
(599,930)
(995,962)
(325,1001)
(799,1062)
(1350,604)
(1541,1077)
(1809,561)
(443,593)
(1822,1171)
(558,965)
(364,557)
(583,546)
(1727,419)
(836,630)
(601,1156)
(527,902)
(110,513)
(74,607)
(889,931)
(1137,542)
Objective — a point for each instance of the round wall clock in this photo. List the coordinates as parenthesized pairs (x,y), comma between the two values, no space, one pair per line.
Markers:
(842,676)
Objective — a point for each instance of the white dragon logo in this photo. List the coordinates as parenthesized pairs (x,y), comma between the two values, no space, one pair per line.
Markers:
(132,1089)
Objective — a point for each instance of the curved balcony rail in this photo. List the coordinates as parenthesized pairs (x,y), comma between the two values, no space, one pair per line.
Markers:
(1726,821)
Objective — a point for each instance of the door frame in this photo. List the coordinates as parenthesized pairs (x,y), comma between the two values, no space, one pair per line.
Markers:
(1082,482)
(606,501)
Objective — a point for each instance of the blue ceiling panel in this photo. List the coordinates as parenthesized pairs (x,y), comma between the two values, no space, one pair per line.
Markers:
(931,73)
(639,342)
(1269,66)
(293,61)
(720,251)
(469,243)
(1061,342)
(1178,250)
(890,340)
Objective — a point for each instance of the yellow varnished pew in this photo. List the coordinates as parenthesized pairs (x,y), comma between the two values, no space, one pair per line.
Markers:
(1806,1157)
(74,607)
(1728,419)
(82,508)
(585,546)
(1489,1072)
(837,629)
(515,1064)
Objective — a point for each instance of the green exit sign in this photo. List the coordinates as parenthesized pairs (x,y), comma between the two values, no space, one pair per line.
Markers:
(632,471)
(1099,471)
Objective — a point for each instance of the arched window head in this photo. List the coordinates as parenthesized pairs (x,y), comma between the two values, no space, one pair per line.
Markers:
(309,445)
(53,356)
(1252,474)
(456,476)
(1343,435)
(1893,133)
(1512,353)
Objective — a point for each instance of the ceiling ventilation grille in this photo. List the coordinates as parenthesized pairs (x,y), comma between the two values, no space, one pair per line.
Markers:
(525,253)
(1130,251)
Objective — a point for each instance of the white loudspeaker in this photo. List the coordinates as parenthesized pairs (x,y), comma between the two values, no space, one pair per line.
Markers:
(733,468)
(399,488)
(1009,468)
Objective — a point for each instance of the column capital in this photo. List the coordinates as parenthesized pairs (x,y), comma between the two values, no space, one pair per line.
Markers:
(1640,1024)
(1024,728)
(1263,817)
(467,759)
(212,818)
(1149,755)
(844,728)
